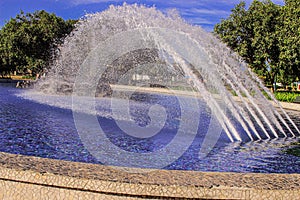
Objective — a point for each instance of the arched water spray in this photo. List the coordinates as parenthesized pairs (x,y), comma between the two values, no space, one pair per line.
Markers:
(207,66)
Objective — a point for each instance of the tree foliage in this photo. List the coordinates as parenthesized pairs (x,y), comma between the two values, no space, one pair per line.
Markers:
(267,36)
(289,34)
(28,40)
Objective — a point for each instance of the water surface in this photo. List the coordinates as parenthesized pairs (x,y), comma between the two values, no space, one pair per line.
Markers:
(45,127)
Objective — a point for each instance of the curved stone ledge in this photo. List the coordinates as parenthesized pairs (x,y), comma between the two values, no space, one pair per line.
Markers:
(25,177)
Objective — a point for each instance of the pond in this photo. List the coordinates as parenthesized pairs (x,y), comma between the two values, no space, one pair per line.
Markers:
(42,125)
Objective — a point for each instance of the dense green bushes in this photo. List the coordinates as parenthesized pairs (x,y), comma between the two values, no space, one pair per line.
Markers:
(286,96)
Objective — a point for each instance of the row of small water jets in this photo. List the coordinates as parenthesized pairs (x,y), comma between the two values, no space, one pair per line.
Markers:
(209,64)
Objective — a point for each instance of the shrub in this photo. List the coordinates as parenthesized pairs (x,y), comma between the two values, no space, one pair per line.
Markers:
(286,96)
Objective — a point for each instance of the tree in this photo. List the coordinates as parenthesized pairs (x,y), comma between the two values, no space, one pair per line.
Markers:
(235,31)
(265,19)
(289,37)
(28,41)
(267,36)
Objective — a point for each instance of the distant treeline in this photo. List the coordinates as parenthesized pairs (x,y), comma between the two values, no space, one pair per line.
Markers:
(267,36)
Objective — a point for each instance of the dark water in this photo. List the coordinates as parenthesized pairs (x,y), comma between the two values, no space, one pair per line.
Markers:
(39,129)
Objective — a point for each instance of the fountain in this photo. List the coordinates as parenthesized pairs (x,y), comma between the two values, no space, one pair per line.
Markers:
(133,89)
(149,90)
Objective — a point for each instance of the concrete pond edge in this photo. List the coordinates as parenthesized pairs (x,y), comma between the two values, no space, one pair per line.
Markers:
(27,177)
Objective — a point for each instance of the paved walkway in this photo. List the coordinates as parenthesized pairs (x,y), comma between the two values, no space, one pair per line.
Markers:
(285,105)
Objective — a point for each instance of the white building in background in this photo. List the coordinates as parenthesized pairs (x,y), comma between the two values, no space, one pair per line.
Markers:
(138,77)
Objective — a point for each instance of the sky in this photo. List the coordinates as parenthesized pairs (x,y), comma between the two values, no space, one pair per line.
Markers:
(205,13)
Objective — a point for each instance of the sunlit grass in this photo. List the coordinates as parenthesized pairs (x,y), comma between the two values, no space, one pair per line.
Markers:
(286,96)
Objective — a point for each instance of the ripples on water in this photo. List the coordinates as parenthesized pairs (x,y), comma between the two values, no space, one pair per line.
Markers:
(45,127)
